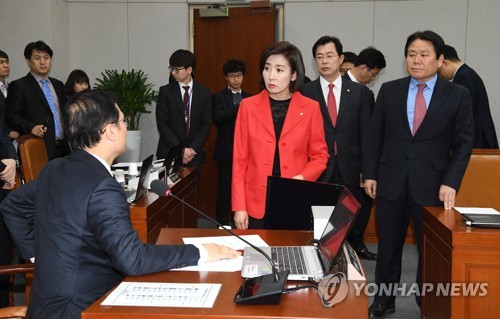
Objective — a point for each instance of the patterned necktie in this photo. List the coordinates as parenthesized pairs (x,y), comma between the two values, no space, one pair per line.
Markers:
(48,96)
(237,98)
(332,109)
(420,108)
(3,87)
(186,108)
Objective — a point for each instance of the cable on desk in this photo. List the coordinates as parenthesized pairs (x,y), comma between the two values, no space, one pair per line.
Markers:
(297,288)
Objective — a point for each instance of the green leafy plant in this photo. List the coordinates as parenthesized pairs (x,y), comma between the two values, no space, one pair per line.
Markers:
(132,92)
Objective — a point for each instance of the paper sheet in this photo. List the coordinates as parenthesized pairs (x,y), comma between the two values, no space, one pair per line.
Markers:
(477,210)
(224,265)
(155,294)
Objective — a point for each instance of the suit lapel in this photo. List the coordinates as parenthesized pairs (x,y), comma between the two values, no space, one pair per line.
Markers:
(38,90)
(176,93)
(262,112)
(439,95)
(294,115)
(402,100)
(345,96)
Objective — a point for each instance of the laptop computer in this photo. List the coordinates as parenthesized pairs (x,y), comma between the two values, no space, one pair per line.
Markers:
(289,202)
(317,260)
(482,220)
(142,185)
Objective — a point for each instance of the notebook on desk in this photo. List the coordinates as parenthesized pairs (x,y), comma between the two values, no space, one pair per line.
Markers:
(482,220)
(142,185)
(307,262)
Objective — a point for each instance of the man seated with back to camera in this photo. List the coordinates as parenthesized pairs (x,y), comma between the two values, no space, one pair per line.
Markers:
(85,244)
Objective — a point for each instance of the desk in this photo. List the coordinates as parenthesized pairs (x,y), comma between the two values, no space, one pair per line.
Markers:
(455,253)
(301,304)
(151,213)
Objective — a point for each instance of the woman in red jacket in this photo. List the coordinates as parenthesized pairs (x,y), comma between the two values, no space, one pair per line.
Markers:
(278,132)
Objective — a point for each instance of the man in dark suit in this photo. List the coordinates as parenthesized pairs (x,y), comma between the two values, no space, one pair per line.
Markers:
(420,143)
(35,102)
(4,73)
(183,111)
(351,101)
(85,243)
(225,106)
(8,162)
(455,70)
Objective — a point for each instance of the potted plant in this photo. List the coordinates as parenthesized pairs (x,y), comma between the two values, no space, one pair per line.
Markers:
(133,93)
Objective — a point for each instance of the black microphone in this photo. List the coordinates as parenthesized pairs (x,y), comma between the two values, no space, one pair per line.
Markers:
(262,290)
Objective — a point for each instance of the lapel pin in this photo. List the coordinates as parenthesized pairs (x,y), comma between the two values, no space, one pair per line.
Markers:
(301,113)
(348,90)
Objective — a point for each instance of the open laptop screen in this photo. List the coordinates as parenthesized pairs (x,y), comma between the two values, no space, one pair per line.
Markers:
(338,225)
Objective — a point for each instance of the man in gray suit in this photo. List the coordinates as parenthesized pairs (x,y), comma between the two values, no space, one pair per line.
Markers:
(419,145)
(85,244)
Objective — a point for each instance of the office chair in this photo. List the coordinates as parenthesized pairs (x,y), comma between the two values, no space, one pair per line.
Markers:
(33,156)
(16,311)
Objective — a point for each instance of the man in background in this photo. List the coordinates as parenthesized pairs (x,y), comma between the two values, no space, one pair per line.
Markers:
(35,102)
(419,145)
(455,70)
(346,110)
(225,106)
(183,111)
(348,62)
(367,66)
(85,244)
(4,73)
(8,161)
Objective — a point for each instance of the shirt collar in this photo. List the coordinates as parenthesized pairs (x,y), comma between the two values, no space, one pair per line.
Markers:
(351,76)
(103,162)
(39,78)
(324,83)
(430,84)
(181,85)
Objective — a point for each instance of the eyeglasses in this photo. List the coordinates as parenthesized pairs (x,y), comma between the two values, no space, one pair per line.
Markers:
(174,69)
(373,73)
(328,57)
(125,121)
(235,75)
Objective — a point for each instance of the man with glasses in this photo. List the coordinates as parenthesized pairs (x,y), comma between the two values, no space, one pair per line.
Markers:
(367,66)
(183,111)
(85,244)
(225,106)
(346,110)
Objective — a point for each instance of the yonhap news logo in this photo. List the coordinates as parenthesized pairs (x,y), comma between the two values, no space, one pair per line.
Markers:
(334,288)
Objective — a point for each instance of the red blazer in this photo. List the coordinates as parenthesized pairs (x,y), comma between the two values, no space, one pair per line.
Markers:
(302,148)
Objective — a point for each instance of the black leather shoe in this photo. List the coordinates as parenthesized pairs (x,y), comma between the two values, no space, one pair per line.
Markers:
(364,253)
(378,311)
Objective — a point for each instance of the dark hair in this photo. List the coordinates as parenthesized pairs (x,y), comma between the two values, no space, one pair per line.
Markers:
(182,58)
(233,66)
(294,58)
(76,76)
(350,57)
(325,40)
(450,53)
(371,57)
(86,115)
(427,35)
(3,55)
(38,45)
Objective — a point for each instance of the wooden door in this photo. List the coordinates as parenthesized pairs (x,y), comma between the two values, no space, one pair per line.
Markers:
(241,35)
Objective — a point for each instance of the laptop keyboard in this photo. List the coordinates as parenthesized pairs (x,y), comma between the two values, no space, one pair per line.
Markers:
(289,258)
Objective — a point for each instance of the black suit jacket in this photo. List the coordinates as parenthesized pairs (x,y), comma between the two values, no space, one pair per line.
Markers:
(171,124)
(224,116)
(28,107)
(85,244)
(485,135)
(352,128)
(6,129)
(438,153)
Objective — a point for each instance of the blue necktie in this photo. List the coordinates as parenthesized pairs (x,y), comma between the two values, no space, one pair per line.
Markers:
(48,96)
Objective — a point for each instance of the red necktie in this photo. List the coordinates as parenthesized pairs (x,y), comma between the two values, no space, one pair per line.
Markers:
(186,108)
(332,109)
(420,108)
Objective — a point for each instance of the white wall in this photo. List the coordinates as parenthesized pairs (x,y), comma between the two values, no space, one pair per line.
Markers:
(106,34)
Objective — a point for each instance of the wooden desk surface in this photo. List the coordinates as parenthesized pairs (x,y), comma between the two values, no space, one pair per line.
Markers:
(301,304)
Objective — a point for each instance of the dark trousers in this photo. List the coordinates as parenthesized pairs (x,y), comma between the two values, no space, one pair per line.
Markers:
(5,259)
(223,205)
(356,234)
(393,218)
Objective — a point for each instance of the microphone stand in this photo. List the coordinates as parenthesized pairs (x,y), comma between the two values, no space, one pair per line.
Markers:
(261,290)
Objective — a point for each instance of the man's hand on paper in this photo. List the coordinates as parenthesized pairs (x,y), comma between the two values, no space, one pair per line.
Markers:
(217,252)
